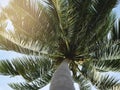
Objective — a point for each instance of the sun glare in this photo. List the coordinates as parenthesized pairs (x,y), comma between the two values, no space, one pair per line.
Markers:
(3,4)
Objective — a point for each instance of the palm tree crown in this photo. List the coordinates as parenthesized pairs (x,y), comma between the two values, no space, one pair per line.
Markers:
(49,32)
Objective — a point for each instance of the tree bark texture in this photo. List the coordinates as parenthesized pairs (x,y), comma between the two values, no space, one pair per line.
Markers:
(62,79)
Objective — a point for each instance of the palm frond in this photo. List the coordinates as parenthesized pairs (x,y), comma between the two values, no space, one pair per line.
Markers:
(96,36)
(106,50)
(8,43)
(12,41)
(103,9)
(34,85)
(29,68)
(84,83)
(97,25)
(97,77)
(107,65)
(100,80)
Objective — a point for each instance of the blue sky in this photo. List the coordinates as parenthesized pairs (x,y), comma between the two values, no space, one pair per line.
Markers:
(9,55)
(117,10)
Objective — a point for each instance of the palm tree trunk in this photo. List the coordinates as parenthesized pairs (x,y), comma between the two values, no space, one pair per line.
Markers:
(62,79)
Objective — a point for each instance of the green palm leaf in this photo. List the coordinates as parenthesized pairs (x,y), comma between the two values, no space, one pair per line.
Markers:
(107,56)
(107,50)
(102,81)
(109,65)
(8,43)
(29,68)
(34,85)
(84,83)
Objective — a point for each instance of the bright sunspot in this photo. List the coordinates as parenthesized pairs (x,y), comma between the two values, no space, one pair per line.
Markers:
(3,4)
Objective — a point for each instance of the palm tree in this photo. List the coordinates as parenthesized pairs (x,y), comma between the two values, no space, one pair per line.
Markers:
(59,36)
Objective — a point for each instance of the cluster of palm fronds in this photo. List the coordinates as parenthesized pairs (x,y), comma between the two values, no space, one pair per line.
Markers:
(50,31)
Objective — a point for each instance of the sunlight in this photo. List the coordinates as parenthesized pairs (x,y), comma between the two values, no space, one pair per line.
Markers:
(4,3)
(9,25)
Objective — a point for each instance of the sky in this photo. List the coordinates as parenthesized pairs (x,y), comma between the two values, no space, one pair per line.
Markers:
(4,80)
